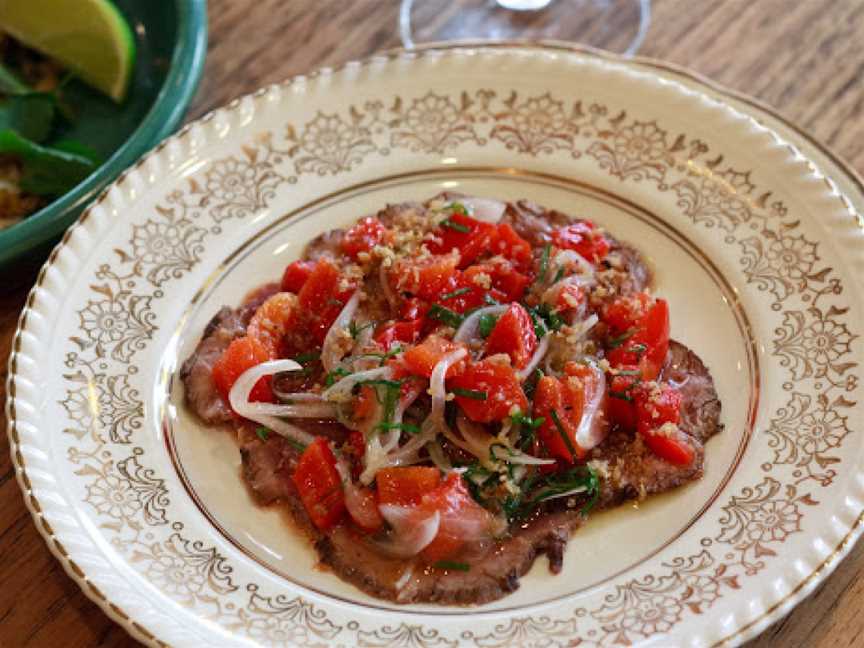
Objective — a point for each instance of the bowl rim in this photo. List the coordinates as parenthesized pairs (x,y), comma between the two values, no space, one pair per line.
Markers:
(163,117)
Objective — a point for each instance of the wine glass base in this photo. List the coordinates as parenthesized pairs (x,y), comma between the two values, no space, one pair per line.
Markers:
(613,25)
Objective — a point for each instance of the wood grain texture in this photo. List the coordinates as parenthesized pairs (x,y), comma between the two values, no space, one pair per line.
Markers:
(804,58)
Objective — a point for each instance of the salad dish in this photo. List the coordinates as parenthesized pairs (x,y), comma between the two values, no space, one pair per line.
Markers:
(447,390)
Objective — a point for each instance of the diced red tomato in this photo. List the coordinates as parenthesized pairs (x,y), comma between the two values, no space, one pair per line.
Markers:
(656,407)
(504,277)
(295,275)
(364,404)
(321,299)
(620,407)
(272,320)
(365,235)
(406,332)
(406,485)
(561,409)
(242,354)
(624,313)
(427,278)
(647,343)
(421,359)
(570,296)
(514,335)
(458,510)
(319,484)
(583,238)
(469,236)
(363,508)
(512,246)
(497,382)
(466,295)
(674,449)
(412,309)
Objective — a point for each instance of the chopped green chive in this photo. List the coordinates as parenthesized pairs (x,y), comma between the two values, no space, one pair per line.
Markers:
(616,342)
(562,432)
(459,208)
(452,566)
(455,293)
(559,275)
(334,376)
(407,427)
(263,433)
(486,324)
(296,444)
(355,329)
(459,227)
(473,394)
(621,395)
(544,262)
(306,358)
(445,315)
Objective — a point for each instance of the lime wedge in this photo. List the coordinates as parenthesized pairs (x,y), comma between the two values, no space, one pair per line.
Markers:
(89,37)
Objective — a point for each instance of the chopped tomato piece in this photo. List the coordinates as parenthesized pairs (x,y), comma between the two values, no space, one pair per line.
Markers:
(364,404)
(407,332)
(624,313)
(503,277)
(319,484)
(469,236)
(583,238)
(421,359)
(488,390)
(427,278)
(363,508)
(412,309)
(514,335)
(406,485)
(512,246)
(658,412)
(620,406)
(561,408)
(673,448)
(321,298)
(295,275)
(570,296)
(272,320)
(458,511)
(242,354)
(365,235)
(646,343)
(466,294)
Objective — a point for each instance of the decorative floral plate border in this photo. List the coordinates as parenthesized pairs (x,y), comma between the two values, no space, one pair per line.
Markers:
(132,539)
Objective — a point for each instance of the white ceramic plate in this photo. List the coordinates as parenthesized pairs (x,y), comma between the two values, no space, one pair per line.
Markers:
(759,254)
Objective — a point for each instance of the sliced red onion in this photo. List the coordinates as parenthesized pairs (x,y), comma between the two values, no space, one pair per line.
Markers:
(300,397)
(411,534)
(484,209)
(511,455)
(436,383)
(332,349)
(341,391)
(239,399)
(299,410)
(405,578)
(575,491)
(468,330)
(593,426)
(574,258)
(539,353)
(438,457)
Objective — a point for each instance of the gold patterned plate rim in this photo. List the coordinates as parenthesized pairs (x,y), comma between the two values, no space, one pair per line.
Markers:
(758,517)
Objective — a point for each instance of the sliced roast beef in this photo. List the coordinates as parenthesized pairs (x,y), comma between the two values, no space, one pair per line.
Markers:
(684,370)
(197,371)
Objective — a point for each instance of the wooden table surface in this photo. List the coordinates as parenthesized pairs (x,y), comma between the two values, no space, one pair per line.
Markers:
(804,58)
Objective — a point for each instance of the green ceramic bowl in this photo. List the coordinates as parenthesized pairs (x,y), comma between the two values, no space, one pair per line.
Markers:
(171,41)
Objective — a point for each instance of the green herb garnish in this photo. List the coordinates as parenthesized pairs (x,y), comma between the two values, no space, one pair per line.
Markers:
(458,208)
(263,433)
(616,342)
(530,385)
(354,329)
(406,427)
(486,324)
(334,376)
(559,275)
(307,358)
(473,394)
(47,170)
(521,419)
(445,315)
(621,395)
(452,566)
(455,293)
(459,227)
(563,433)
(296,444)
(544,263)
(545,319)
